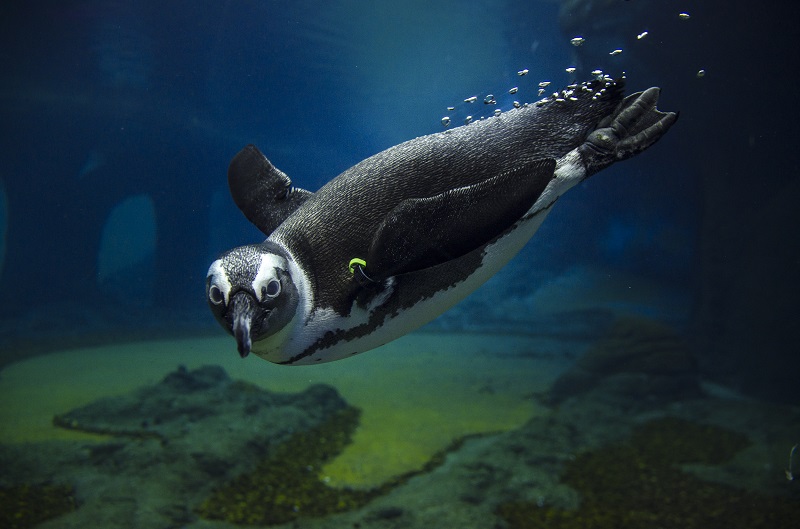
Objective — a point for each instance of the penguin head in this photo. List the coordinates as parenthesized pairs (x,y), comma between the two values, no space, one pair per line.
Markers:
(251,293)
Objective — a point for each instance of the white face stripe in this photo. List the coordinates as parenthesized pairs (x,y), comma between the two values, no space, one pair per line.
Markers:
(299,279)
(220,280)
(293,336)
(266,272)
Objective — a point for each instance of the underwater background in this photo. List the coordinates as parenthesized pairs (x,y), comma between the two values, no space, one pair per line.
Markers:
(635,365)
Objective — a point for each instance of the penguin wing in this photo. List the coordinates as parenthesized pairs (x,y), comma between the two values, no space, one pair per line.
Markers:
(423,232)
(261,191)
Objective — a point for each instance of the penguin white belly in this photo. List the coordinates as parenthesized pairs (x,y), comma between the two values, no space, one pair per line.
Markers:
(569,172)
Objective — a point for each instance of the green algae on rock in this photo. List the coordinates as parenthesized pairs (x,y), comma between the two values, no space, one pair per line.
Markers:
(638,483)
(171,443)
(286,484)
(23,506)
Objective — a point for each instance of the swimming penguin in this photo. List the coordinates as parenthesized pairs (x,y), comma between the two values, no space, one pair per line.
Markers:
(404,235)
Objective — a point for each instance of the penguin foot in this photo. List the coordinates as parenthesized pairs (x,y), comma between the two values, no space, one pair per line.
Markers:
(635,125)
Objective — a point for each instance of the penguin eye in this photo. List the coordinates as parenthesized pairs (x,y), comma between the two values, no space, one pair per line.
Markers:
(272,289)
(215,295)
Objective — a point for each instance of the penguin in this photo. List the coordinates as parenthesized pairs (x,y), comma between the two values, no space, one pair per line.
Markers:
(402,236)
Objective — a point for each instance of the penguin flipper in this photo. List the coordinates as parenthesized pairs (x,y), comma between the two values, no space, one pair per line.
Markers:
(261,191)
(423,232)
(635,125)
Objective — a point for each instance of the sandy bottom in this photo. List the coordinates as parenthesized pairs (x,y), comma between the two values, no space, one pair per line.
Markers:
(417,393)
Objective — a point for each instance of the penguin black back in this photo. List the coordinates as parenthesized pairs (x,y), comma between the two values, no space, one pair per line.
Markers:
(340,220)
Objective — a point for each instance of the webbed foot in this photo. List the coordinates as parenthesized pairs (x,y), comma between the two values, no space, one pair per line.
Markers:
(635,125)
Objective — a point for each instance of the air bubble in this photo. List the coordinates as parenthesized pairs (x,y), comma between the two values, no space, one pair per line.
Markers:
(467,120)
(684,16)
(522,72)
(641,35)
(701,73)
(489,100)
(544,84)
(571,69)
(471,99)
(616,52)
(497,112)
(446,121)
(577,41)
(514,90)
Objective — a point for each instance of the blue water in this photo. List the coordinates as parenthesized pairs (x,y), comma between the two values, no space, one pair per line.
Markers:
(119,120)
(107,103)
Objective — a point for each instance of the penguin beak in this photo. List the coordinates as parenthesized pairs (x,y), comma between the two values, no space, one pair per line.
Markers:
(241,312)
